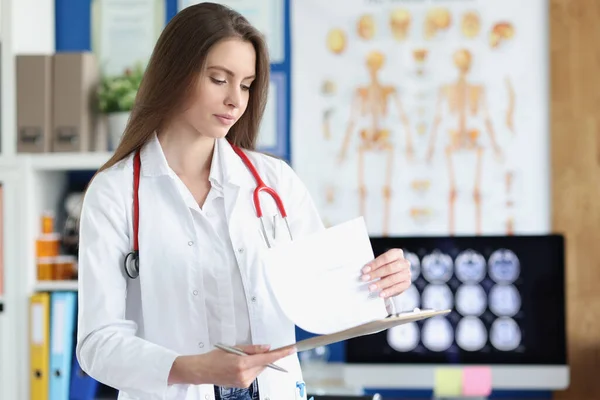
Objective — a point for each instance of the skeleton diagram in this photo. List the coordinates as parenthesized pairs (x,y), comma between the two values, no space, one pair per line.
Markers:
(465,101)
(371,101)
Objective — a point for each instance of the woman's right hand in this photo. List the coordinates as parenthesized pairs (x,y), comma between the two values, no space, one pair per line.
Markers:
(220,368)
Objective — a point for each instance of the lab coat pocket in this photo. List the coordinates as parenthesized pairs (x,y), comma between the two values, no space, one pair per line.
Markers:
(174,392)
(283,386)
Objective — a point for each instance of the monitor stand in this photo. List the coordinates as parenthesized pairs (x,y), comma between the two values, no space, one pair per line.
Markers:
(459,398)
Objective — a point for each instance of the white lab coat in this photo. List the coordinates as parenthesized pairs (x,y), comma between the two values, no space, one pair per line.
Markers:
(131,331)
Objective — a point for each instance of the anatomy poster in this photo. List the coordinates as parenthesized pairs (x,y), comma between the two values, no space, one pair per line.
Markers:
(427,117)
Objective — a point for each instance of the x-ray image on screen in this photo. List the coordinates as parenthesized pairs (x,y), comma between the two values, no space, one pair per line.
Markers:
(505,334)
(438,334)
(499,290)
(470,267)
(438,296)
(409,300)
(471,300)
(479,290)
(405,337)
(437,267)
(504,266)
(468,284)
(505,300)
(471,334)
(415,265)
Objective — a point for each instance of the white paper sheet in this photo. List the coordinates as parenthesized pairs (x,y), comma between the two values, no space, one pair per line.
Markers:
(316,279)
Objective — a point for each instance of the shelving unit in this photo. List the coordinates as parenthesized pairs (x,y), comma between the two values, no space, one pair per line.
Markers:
(31,183)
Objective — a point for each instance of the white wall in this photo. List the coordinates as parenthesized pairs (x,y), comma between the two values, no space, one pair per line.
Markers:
(32,26)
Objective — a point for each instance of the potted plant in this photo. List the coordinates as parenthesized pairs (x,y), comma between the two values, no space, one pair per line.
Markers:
(116,95)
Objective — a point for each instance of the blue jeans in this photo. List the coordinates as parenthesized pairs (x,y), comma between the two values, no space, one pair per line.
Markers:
(250,393)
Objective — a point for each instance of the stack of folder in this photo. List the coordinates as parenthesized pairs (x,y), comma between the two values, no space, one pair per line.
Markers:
(55,373)
(56,103)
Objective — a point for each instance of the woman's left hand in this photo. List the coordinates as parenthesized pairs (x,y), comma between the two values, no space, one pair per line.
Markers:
(393,271)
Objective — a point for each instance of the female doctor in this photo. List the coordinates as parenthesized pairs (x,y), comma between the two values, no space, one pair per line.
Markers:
(179,195)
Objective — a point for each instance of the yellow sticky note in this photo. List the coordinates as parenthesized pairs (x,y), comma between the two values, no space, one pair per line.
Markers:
(448,382)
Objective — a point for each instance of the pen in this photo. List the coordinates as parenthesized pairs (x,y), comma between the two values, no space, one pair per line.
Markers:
(237,351)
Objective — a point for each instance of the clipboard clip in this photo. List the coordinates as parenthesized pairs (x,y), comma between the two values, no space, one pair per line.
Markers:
(416,310)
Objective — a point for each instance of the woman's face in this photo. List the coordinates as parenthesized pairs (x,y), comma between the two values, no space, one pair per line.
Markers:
(223,89)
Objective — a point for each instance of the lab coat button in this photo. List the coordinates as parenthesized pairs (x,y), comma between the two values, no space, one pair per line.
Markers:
(206,396)
(195,293)
(190,243)
(241,250)
(201,345)
(253,299)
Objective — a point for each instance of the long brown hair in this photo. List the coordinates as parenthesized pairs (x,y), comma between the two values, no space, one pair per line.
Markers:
(174,67)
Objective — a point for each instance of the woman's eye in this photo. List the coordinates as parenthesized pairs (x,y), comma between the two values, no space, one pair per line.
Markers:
(245,87)
(218,81)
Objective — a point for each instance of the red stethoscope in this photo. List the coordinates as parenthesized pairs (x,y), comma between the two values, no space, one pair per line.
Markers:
(132,260)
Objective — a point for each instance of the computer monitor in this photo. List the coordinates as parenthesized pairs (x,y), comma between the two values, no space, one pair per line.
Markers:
(507,295)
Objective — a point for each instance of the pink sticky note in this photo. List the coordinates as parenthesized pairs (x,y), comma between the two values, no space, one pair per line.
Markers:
(477,381)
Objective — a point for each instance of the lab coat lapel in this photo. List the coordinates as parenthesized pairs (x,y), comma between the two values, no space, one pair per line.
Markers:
(231,194)
(236,179)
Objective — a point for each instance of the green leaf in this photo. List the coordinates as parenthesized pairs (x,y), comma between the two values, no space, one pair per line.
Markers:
(117,93)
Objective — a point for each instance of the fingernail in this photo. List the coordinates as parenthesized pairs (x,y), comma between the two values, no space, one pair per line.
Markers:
(382,294)
(372,288)
(366,269)
(365,278)
(265,346)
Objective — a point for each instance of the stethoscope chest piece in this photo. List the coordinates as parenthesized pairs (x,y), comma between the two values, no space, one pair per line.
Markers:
(132,264)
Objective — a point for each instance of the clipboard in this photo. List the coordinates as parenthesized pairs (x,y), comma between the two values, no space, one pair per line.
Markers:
(365,329)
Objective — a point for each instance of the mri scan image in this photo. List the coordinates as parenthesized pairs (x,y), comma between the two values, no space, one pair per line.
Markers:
(471,334)
(471,300)
(505,334)
(437,334)
(415,264)
(437,267)
(470,267)
(505,300)
(408,300)
(437,297)
(504,266)
(403,337)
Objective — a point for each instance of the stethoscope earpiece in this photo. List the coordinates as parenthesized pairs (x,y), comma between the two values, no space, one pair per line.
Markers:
(132,264)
